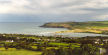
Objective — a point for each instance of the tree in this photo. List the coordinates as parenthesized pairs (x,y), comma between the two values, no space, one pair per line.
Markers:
(39,47)
(6,46)
(89,49)
(49,52)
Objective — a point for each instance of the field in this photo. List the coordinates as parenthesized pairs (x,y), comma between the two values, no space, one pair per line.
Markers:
(65,44)
(13,51)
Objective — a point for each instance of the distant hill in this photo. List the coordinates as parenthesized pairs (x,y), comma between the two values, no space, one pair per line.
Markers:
(78,25)
(91,26)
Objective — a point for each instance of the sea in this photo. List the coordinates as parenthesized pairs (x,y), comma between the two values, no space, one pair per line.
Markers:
(33,28)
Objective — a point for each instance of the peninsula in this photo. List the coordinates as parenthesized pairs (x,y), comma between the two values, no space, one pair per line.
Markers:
(87,27)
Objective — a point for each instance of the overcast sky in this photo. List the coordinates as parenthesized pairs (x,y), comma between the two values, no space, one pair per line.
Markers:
(53,10)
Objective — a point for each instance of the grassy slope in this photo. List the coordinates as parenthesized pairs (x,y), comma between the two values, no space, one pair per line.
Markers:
(13,51)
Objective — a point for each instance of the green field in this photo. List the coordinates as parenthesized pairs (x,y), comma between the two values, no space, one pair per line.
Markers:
(13,51)
(73,45)
(59,44)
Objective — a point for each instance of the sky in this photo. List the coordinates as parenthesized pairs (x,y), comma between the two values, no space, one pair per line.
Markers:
(53,10)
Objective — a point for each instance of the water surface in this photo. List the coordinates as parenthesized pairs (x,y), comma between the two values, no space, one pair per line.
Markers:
(33,28)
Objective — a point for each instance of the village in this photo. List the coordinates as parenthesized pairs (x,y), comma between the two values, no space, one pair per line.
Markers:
(40,43)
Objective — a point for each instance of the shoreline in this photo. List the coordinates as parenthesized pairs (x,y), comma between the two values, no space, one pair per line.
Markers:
(75,35)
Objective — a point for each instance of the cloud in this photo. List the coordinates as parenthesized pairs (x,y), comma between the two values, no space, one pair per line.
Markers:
(102,17)
(55,10)
(40,6)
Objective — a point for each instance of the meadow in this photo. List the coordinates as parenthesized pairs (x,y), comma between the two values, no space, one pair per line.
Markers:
(13,51)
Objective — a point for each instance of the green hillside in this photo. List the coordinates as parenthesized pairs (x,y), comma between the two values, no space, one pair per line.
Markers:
(77,25)
(90,26)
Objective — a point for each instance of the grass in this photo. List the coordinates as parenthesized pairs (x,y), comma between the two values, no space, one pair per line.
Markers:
(64,44)
(52,47)
(13,51)
(58,44)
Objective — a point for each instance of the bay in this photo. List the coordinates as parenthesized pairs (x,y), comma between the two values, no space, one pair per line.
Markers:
(34,29)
